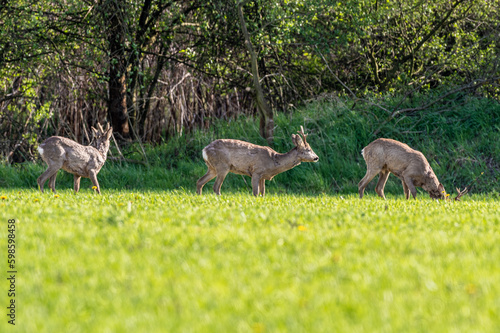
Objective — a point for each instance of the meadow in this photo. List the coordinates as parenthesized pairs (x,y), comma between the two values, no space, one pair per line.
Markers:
(172,261)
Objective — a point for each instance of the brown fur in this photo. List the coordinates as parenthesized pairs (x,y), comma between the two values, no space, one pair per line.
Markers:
(81,161)
(385,156)
(244,158)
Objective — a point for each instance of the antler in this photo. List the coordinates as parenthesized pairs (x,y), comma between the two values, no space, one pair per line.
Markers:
(467,188)
(101,129)
(301,132)
(460,193)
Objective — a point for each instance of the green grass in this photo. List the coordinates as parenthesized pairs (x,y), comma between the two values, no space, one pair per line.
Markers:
(171,261)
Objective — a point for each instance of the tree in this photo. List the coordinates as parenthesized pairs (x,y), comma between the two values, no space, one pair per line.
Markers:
(115,12)
(156,68)
(133,30)
(266,114)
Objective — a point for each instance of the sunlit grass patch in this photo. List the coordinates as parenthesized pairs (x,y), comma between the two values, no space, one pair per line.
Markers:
(161,261)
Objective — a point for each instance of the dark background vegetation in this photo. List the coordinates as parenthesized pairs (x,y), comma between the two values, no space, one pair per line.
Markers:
(170,76)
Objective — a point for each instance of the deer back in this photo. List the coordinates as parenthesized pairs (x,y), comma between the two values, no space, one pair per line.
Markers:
(238,155)
(247,158)
(395,156)
(71,156)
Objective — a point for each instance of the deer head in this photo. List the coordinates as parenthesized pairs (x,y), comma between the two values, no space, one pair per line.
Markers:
(101,138)
(305,153)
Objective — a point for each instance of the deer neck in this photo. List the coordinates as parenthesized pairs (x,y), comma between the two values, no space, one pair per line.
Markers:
(284,162)
(103,149)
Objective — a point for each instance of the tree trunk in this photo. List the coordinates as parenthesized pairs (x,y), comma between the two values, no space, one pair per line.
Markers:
(267,120)
(117,87)
(117,104)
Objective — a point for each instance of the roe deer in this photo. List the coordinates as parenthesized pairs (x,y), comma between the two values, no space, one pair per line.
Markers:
(259,162)
(81,161)
(384,156)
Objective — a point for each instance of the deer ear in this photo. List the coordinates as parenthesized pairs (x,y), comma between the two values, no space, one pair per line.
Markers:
(297,140)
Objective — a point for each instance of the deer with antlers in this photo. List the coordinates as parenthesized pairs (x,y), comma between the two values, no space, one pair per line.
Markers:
(386,156)
(81,161)
(243,158)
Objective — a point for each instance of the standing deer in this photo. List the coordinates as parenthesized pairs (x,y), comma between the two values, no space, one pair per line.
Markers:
(81,161)
(384,156)
(244,158)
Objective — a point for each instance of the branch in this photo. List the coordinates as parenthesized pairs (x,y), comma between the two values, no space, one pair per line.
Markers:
(261,102)
(471,85)
(356,99)
(335,76)
(405,58)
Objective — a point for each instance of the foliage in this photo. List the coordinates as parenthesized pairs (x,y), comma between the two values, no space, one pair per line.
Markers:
(173,66)
(172,261)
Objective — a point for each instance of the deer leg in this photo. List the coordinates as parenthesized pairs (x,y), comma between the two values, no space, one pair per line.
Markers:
(370,173)
(219,180)
(382,179)
(262,186)
(406,190)
(76,182)
(409,182)
(52,182)
(205,179)
(93,178)
(256,184)
(51,170)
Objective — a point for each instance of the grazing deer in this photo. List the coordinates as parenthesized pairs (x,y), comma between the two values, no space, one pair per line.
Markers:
(244,158)
(384,156)
(81,161)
